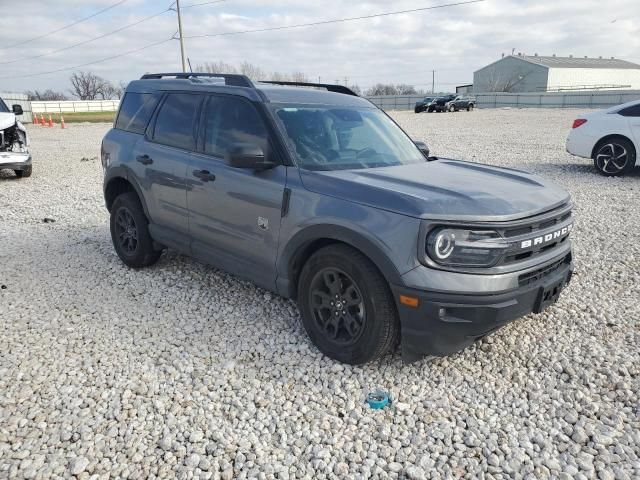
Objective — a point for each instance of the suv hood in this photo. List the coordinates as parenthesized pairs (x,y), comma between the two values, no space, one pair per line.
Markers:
(7,120)
(443,189)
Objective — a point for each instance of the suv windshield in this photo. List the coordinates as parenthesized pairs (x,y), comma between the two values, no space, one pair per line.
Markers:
(339,138)
(3,107)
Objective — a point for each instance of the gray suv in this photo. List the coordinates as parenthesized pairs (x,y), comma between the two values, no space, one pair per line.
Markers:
(312,192)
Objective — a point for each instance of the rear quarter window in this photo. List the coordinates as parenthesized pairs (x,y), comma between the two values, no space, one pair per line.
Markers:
(136,110)
(632,111)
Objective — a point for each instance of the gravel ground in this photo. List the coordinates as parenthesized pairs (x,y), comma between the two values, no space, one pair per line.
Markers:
(183,371)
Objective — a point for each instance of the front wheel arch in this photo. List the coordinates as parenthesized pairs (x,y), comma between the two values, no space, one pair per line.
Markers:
(306,242)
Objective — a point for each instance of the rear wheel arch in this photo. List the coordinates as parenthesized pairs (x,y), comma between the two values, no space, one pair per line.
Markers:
(609,138)
(302,246)
(120,184)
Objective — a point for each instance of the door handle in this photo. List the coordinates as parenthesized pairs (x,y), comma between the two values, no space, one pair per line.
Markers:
(204,175)
(144,159)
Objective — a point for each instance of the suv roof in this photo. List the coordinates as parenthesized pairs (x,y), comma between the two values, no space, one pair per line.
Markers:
(266,91)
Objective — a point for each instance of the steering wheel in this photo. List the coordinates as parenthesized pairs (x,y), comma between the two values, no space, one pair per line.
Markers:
(311,150)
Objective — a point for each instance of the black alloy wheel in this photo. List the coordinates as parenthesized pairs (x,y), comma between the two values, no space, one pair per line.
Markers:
(126,231)
(338,306)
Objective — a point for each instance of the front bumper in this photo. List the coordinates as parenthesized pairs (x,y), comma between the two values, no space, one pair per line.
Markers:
(444,323)
(15,161)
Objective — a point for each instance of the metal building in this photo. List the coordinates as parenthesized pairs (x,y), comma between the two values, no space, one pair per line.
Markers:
(533,73)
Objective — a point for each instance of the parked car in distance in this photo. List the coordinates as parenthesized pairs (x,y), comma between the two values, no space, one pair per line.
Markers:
(610,137)
(461,102)
(423,105)
(14,142)
(439,104)
(321,197)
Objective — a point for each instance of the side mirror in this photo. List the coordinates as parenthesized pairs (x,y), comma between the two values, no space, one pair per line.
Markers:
(245,155)
(17,109)
(424,148)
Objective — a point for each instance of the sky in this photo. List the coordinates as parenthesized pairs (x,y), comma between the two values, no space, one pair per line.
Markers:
(405,48)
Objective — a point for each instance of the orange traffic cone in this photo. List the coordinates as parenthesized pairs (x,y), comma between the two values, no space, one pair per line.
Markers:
(50,121)
(35,119)
(42,122)
(62,122)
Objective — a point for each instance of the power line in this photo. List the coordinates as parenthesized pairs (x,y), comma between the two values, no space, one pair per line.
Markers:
(338,20)
(191,5)
(66,26)
(160,42)
(84,42)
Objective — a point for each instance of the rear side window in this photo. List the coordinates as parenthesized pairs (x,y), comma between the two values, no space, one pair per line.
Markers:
(176,119)
(136,110)
(633,111)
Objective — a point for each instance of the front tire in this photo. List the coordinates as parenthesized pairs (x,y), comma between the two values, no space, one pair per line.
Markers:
(24,173)
(130,232)
(614,157)
(347,308)
(452,108)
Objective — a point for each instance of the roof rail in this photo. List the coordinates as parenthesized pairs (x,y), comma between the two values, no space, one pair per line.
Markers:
(230,79)
(331,88)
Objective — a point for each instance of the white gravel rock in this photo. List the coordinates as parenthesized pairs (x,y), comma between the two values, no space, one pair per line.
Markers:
(182,371)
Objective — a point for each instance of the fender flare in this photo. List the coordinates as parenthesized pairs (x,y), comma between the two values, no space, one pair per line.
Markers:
(125,174)
(296,251)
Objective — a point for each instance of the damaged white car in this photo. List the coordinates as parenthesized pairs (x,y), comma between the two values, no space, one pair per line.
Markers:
(14,142)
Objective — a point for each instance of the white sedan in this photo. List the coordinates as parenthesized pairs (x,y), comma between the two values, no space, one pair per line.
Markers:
(610,137)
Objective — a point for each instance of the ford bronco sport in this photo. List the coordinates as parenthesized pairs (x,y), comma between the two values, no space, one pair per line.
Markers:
(312,192)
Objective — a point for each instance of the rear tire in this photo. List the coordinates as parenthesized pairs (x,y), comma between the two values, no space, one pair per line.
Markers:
(24,173)
(470,107)
(130,232)
(614,157)
(347,307)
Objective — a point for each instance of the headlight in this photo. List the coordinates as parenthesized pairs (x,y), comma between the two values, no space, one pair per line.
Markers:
(465,248)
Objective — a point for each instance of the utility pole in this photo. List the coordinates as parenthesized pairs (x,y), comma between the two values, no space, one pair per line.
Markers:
(184,63)
(433,82)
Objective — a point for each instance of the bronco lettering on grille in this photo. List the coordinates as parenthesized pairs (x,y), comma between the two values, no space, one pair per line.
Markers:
(541,240)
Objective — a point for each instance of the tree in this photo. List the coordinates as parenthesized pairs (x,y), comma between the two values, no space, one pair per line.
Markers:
(279,77)
(299,77)
(88,86)
(119,90)
(46,95)
(381,89)
(403,89)
(252,71)
(216,67)
(108,91)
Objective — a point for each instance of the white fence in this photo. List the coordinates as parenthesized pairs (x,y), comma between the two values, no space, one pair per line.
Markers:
(582,99)
(76,106)
(19,99)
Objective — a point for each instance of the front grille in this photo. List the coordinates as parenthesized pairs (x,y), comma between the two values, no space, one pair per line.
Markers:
(537,225)
(528,229)
(537,275)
